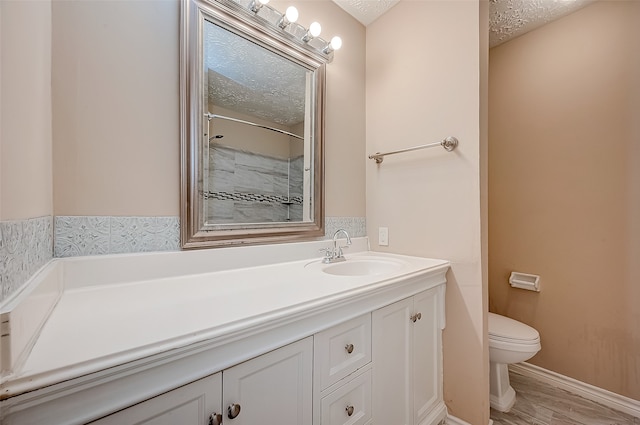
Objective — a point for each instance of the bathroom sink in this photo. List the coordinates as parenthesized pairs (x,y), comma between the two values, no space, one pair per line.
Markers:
(361,267)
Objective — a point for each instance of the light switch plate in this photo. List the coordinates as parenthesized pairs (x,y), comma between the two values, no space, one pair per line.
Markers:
(383,236)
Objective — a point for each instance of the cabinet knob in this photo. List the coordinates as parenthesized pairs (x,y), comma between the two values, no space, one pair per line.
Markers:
(415,317)
(349,410)
(215,419)
(233,410)
(349,348)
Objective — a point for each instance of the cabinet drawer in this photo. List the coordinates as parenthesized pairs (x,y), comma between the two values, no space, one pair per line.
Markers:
(341,350)
(350,404)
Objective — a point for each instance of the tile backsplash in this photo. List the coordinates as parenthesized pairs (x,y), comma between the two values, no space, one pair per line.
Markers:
(25,246)
(96,235)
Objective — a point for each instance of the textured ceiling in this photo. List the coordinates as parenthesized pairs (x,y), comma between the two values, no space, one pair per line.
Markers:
(247,78)
(366,11)
(507,18)
(511,18)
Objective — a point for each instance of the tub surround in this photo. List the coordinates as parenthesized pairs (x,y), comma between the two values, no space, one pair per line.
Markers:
(118,318)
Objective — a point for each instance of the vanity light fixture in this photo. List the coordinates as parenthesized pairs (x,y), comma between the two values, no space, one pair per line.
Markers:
(257,4)
(313,32)
(334,44)
(287,23)
(289,17)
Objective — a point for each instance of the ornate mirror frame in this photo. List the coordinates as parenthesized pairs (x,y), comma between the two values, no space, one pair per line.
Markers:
(194,232)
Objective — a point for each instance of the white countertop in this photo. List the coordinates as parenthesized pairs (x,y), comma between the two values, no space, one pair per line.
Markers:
(96,327)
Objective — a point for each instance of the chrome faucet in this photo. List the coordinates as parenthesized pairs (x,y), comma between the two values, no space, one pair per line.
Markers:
(336,255)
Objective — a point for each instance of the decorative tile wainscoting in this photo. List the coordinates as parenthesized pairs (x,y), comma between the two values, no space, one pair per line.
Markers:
(96,235)
(356,226)
(25,246)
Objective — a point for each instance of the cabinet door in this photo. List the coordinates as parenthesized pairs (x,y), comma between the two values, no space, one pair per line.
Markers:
(392,356)
(272,388)
(191,404)
(426,361)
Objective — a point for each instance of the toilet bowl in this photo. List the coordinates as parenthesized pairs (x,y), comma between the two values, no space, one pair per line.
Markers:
(510,342)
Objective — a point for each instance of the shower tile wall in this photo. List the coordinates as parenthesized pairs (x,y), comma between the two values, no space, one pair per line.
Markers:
(250,188)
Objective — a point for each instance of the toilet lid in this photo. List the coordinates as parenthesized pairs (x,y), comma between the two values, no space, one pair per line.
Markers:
(501,327)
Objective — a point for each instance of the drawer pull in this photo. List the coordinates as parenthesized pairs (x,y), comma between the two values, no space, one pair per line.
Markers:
(215,419)
(233,410)
(415,317)
(349,348)
(349,410)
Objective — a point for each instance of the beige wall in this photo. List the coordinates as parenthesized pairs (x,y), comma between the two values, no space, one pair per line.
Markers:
(423,84)
(115,102)
(25,114)
(115,108)
(564,190)
(250,138)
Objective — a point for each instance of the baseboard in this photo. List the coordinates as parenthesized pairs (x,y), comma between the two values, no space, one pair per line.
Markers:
(452,420)
(615,401)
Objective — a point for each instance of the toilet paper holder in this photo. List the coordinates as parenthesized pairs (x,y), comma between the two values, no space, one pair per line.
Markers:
(530,282)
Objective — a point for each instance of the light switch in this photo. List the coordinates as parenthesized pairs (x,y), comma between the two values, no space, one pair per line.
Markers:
(383,236)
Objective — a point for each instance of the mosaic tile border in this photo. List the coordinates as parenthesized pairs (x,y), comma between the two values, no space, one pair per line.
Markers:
(253,197)
(25,246)
(97,235)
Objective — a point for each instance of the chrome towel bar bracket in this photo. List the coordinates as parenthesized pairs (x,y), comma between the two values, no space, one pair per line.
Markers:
(449,144)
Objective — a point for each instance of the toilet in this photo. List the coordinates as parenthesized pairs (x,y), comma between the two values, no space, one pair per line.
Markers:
(510,342)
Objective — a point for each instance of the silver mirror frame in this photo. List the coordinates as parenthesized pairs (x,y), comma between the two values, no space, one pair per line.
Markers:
(192,116)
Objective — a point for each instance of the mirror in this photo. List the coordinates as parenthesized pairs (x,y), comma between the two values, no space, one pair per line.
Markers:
(251,128)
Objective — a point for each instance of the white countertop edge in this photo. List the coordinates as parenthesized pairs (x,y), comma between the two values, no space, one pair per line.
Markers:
(18,386)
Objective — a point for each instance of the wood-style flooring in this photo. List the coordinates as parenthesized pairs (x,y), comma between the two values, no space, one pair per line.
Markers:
(538,403)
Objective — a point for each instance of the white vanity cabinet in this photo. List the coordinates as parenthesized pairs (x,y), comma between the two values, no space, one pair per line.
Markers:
(407,361)
(342,373)
(191,404)
(288,343)
(275,387)
(272,388)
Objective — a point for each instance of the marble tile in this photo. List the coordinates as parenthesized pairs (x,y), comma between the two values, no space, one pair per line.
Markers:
(220,211)
(538,403)
(254,212)
(248,180)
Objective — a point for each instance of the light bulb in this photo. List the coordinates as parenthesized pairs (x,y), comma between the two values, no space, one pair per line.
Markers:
(291,14)
(336,43)
(289,17)
(315,29)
